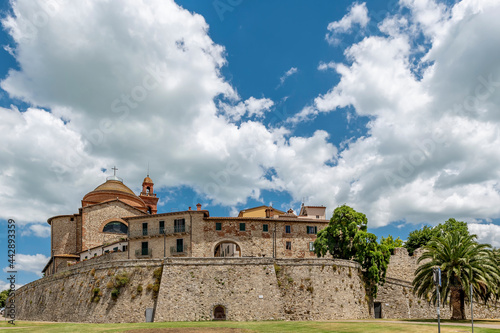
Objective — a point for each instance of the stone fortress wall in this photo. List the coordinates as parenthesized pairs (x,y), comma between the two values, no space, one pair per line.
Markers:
(181,289)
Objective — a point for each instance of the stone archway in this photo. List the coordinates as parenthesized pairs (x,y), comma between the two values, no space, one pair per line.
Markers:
(226,249)
(219,312)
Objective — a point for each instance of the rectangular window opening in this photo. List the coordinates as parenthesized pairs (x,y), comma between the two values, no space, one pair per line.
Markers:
(144,248)
(180,225)
(161,227)
(242,227)
(265,227)
(312,230)
(288,245)
(288,229)
(311,246)
(145,229)
(218,226)
(180,245)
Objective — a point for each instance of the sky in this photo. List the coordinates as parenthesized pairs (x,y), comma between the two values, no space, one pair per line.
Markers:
(390,107)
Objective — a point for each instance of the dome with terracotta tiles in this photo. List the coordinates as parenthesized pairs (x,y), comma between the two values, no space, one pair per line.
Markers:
(113,189)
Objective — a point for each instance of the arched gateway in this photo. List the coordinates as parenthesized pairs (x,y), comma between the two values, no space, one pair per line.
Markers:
(227,249)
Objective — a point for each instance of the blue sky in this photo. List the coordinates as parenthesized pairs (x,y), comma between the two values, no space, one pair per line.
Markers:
(390,107)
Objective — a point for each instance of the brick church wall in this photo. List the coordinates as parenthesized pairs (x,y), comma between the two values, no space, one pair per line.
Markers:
(93,218)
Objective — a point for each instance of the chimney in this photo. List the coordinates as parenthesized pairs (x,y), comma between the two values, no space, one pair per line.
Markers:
(269,212)
(189,208)
(198,206)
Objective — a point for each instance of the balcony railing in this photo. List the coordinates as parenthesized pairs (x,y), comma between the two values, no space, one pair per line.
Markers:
(159,231)
(144,253)
(178,249)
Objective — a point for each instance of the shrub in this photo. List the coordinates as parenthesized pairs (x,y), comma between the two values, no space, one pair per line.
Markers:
(115,293)
(139,288)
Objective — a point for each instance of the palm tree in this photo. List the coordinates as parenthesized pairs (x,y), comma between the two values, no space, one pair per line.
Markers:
(462,261)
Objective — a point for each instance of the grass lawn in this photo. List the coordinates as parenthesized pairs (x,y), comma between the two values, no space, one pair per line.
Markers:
(243,327)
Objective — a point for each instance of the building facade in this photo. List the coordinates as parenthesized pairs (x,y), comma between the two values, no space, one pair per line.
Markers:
(114,219)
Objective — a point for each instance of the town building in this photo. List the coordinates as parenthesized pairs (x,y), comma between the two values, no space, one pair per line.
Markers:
(114,219)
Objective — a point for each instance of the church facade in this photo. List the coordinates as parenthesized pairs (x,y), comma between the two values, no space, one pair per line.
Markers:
(114,219)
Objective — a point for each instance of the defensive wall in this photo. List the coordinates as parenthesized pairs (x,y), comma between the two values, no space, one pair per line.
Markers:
(181,289)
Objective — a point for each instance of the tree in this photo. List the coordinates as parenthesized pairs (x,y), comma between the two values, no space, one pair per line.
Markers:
(419,238)
(3,297)
(391,243)
(346,237)
(462,261)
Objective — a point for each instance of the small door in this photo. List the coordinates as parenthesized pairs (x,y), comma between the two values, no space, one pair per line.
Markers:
(377,309)
(219,313)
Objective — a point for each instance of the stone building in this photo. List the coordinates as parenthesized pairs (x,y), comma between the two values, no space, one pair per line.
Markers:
(114,219)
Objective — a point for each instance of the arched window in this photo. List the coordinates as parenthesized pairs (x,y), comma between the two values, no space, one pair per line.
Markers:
(150,210)
(148,190)
(115,227)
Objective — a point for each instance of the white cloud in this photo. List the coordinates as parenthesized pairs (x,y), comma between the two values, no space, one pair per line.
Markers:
(6,285)
(486,233)
(287,74)
(358,14)
(127,83)
(30,263)
(324,66)
(142,82)
(429,151)
(250,108)
(39,230)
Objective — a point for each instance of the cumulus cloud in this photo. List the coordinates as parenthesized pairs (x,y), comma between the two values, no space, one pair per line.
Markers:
(357,15)
(287,74)
(38,230)
(126,84)
(429,152)
(30,263)
(486,233)
(252,107)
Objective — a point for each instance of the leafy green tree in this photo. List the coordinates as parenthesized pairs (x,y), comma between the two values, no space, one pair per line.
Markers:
(419,238)
(346,237)
(391,243)
(3,297)
(462,261)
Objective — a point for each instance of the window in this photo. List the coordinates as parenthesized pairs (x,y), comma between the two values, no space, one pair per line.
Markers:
(86,257)
(242,227)
(144,248)
(265,227)
(125,248)
(107,251)
(145,229)
(317,216)
(180,245)
(115,249)
(218,226)
(180,225)
(288,245)
(288,229)
(312,230)
(311,246)
(150,210)
(115,227)
(161,227)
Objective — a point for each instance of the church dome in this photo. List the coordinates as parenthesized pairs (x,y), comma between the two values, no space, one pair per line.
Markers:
(113,189)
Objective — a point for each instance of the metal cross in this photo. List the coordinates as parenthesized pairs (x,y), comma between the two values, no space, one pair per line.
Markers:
(114,168)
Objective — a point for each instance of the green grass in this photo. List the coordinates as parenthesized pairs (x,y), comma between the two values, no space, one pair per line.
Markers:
(254,326)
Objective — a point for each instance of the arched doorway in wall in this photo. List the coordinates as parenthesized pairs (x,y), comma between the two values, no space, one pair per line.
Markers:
(219,312)
(227,249)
